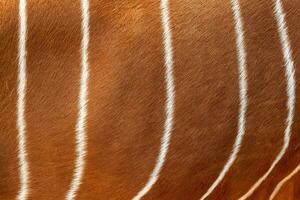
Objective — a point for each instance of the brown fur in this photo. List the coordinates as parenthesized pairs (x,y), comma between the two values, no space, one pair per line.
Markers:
(127,95)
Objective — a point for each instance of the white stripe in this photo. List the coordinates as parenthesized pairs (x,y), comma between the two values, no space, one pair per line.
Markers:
(283,181)
(169,107)
(291,91)
(21,123)
(81,137)
(242,95)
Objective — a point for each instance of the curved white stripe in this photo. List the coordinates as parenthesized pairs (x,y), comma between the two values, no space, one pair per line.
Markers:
(291,91)
(81,138)
(283,181)
(21,123)
(242,95)
(169,109)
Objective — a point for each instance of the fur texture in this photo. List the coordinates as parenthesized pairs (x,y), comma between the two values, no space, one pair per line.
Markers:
(127,97)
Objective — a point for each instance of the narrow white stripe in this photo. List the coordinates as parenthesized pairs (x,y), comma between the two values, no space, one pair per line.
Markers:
(242,95)
(21,123)
(291,92)
(81,137)
(283,181)
(170,93)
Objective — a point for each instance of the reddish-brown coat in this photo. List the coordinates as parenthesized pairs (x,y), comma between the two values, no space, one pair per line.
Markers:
(127,94)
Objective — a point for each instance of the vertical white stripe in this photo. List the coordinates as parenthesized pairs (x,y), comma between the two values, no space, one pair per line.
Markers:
(283,181)
(291,91)
(170,100)
(241,53)
(81,137)
(21,123)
